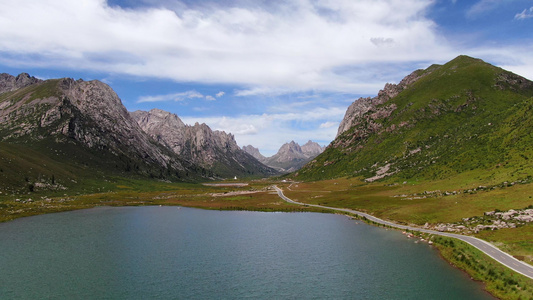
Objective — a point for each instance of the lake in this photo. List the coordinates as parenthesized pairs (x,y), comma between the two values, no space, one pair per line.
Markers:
(183,253)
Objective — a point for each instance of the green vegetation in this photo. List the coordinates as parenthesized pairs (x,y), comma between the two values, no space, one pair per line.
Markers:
(416,203)
(518,241)
(453,145)
(499,280)
(412,204)
(456,144)
(120,191)
(464,116)
(38,91)
(52,166)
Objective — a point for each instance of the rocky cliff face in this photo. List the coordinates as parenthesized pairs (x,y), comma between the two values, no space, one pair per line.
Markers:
(290,157)
(357,112)
(10,83)
(436,123)
(254,152)
(288,152)
(312,149)
(214,150)
(87,114)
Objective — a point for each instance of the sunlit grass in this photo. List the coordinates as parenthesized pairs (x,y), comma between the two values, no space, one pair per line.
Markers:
(125,192)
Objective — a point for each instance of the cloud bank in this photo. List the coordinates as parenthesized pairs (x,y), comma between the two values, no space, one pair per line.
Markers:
(287,45)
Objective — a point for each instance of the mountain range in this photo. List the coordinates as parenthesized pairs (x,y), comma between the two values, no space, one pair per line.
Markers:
(216,151)
(65,130)
(290,157)
(463,117)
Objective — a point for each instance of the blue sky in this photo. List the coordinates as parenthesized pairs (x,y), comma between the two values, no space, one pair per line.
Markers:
(267,71)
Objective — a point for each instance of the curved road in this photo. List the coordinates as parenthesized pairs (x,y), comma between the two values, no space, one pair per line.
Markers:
(487,248)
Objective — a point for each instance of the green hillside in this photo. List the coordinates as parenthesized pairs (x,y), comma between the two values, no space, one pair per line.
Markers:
(464,116)
(47,143)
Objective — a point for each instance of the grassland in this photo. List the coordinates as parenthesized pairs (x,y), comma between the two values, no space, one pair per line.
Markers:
(417,203)
(461,117)
(499,280)
(120,191)
(380,199)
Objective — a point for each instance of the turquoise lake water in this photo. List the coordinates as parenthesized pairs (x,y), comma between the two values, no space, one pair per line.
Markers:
(183,253)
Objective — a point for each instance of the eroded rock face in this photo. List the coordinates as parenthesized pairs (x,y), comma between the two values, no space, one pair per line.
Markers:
(291,156)
(198,143)
(10,83)
(312,149)
(89,113)
(355,114)
(115,127)
(254,152)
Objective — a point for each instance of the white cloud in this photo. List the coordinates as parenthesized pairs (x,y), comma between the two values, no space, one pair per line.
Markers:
(483,6)
(220,94)
(525,14)
(286,46)
(267,47)
(382,42)
(329,124)
(210,98)
(171,97)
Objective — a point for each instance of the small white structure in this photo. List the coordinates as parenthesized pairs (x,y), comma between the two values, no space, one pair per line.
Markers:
(235,178)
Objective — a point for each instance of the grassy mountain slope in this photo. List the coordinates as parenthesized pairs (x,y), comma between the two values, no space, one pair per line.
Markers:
(54,133)
(442,152)
(464,116)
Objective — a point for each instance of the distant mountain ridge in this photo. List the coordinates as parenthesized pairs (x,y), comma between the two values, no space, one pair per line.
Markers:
(213,150)
(254,152)
(290,157)
(446,120)
(10,83)
(70,129)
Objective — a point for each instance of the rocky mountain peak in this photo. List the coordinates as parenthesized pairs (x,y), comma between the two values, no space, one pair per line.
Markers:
(290,156)
(254,152)
(157,120)
(312,148)
(437,125)
(290,149)
(169,118)
(10,83)
(362,106)
(213,150)
(87,114)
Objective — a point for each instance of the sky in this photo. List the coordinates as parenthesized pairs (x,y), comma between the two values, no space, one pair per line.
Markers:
(267,71)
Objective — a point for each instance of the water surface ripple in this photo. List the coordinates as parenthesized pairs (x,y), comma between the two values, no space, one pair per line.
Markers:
(183,253)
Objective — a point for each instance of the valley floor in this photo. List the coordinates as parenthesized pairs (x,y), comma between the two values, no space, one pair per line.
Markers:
(458,207)
(254,195)
(436,205)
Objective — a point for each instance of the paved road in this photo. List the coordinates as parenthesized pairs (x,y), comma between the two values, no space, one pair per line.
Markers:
(500,256)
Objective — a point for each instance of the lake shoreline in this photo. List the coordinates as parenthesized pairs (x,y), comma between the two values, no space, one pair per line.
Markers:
(490,286)
(379,269)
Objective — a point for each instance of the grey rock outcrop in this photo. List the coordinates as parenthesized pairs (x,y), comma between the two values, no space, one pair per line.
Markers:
(357,111)
(214,150)
(312,149)
(84,113)
(10,83)
(290,157)
(254,152)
